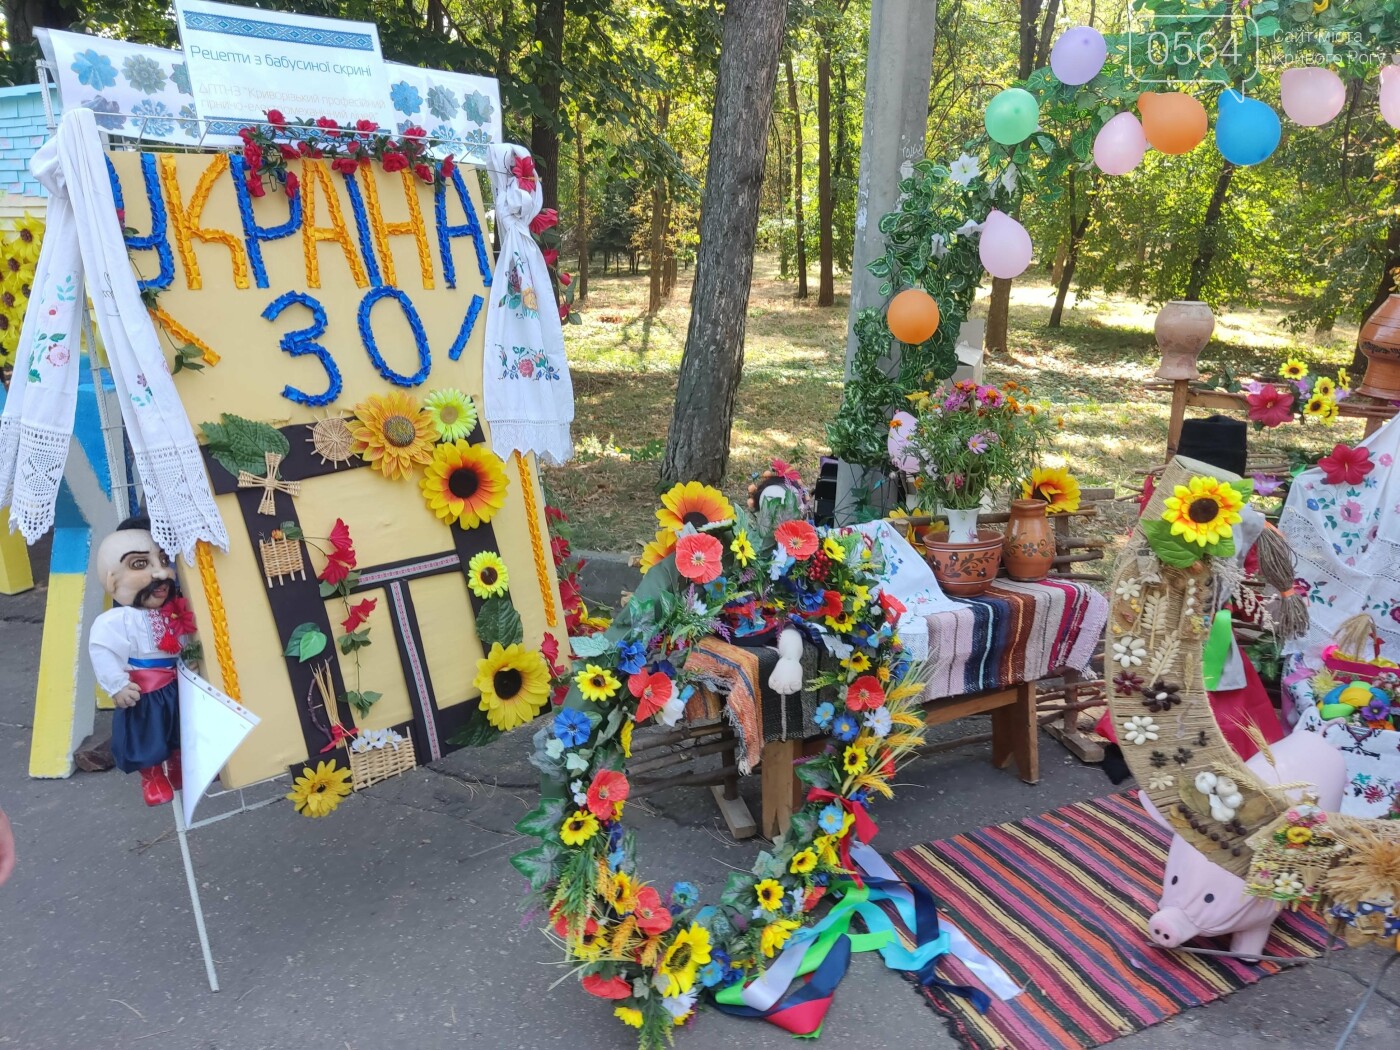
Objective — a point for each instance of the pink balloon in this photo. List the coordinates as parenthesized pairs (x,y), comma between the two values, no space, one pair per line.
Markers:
(1312,95)
(1390,95)
(1005,246)
(1120,146)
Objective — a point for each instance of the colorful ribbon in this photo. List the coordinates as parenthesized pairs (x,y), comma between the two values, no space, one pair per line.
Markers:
(864,828)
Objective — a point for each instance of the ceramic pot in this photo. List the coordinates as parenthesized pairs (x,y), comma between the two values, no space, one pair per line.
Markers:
(962,524)
(1183,329)
(1029,548)
(964,570)
(1380,342)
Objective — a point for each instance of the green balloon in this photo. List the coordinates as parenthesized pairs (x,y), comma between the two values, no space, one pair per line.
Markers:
(1012,116)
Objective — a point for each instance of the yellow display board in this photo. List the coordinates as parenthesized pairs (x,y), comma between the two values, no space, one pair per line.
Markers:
(366,284)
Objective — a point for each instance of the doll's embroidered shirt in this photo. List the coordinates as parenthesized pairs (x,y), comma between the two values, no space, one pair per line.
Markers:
(120,635)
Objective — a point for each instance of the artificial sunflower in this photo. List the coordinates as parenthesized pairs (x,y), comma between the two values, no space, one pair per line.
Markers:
(317,792)
(1320,407)
(464,483)
(1203,511)
(579,828)
(687,953)
(691,503)
(742,549)
(842,624)
(620,893)
(803,862)
(857,662)
(1293,369)
(854,761)
(597,683)
(392,433)
(487,576)
(1324,387)
(655,552)
(1056,486)
(514,684)
(833,549)
(452,413)
(628,1015)
(769,893)
(775,935)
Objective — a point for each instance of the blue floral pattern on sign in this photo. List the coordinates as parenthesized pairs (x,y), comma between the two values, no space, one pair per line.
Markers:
(477,108)
(405,98)
(93,69)
(189,122)
(152,117)
(180,77)
(144,74)
(102,109)
(442,103)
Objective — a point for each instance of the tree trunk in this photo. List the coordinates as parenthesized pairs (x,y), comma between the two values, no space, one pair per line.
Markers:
(784,252)
(668,251)
(800,227)
(581,195)
(826,284)
(1077,230)
(22,17)
(504,41)
(544,131)
(697,446)
(998,316)
(1210,228)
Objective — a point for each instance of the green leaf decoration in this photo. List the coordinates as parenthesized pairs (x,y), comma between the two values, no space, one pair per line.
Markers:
(242,444)
(327,589)
(544,820)
(537,865)
(1173,550)
(476,733)
(499,622)
(292,531)
(354,640)
(306,643)
(1245,487)
(815,774)
(589,646)
(361,701)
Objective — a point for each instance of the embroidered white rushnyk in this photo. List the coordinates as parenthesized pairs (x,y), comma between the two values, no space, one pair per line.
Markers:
(84,238)
(527,393)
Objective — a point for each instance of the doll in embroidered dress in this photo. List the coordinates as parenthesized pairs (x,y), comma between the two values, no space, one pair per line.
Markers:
(134,647)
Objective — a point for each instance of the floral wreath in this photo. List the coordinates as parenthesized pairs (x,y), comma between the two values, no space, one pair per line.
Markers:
(653,952)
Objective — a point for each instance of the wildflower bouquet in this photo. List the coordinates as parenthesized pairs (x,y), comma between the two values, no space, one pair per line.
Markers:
(966,441)
(1300,396)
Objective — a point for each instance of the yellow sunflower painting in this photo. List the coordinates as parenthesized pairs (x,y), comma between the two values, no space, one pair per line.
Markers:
(393,433)
(514,684)
(487,576)
(691,503)
(1056,486)
(464,484)
(316,793)
(452,413)
(1203,511)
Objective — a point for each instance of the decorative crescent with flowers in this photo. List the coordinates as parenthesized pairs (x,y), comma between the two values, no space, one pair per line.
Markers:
(712,570)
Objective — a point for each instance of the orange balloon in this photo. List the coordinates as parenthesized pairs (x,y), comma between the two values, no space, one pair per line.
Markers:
(912,316)
(1173,121)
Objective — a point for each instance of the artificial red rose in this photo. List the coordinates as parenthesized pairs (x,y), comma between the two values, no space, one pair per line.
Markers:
(365,127)
(394,161)
(359,613)
(569,593)
(544,220)
(288,152)
(524,171)
(652,917)
(424,172)
(559,547)
(275,118)
(413,131)
(447,167)
(551,256)
(549,648)
(1346,465)
(798,538)
(345,165)
(306,149)
(565,279)
(651,690)
(253,156)
(331,127)
(1270,406)
(255,186)
(607,793)
(865,693)
(563,312)
(607,987)
(246,134)
(293,184)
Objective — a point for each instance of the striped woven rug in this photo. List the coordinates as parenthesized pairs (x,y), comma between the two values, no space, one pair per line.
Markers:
(1061,901)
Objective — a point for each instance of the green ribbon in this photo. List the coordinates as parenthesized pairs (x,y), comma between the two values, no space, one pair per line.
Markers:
(1217,649)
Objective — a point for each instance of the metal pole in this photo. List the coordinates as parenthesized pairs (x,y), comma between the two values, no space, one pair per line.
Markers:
(181,831)
(898,71)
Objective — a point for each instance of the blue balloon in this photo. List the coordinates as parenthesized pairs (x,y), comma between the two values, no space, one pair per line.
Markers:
(1247,131)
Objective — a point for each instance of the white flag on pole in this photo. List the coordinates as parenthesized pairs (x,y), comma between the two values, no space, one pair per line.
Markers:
(212,725)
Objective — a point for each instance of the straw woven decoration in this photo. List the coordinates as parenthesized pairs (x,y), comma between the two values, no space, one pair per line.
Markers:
(381,763)
(332,441)
(1156,632)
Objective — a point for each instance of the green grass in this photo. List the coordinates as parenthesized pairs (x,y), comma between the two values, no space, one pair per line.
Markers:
(1092,370)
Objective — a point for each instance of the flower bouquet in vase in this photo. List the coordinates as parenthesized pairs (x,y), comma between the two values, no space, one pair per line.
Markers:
(963,444)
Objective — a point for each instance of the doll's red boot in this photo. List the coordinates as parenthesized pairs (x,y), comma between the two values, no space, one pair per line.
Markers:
(172,771)
(155,788)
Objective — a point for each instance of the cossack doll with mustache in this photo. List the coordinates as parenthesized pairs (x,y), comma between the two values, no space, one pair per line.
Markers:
(134,647)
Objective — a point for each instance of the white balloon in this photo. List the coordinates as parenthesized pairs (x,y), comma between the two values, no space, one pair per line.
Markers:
(1390,95)
(1005,247)
(1120,145)
(1311,95)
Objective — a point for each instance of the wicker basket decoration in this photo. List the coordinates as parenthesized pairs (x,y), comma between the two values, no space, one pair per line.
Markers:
(282,559)
(378,755)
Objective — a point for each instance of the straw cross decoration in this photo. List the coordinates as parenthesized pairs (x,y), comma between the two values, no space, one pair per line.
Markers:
(270,483)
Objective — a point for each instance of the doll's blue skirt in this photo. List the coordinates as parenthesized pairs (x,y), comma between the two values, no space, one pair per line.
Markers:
(145,734)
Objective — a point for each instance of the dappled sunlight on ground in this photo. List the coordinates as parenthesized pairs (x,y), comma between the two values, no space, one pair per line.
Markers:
(1093,370)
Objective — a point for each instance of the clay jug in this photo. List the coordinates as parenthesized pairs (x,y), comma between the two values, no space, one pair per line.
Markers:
(1030,541)
(1183,329)
(1380,342)
(964,570)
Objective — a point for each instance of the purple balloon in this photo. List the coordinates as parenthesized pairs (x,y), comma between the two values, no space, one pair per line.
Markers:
(1078,55)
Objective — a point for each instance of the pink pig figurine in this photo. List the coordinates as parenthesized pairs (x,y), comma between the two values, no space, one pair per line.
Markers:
(1202,899)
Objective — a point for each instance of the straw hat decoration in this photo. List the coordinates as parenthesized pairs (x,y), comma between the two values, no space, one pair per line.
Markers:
(1174,572)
